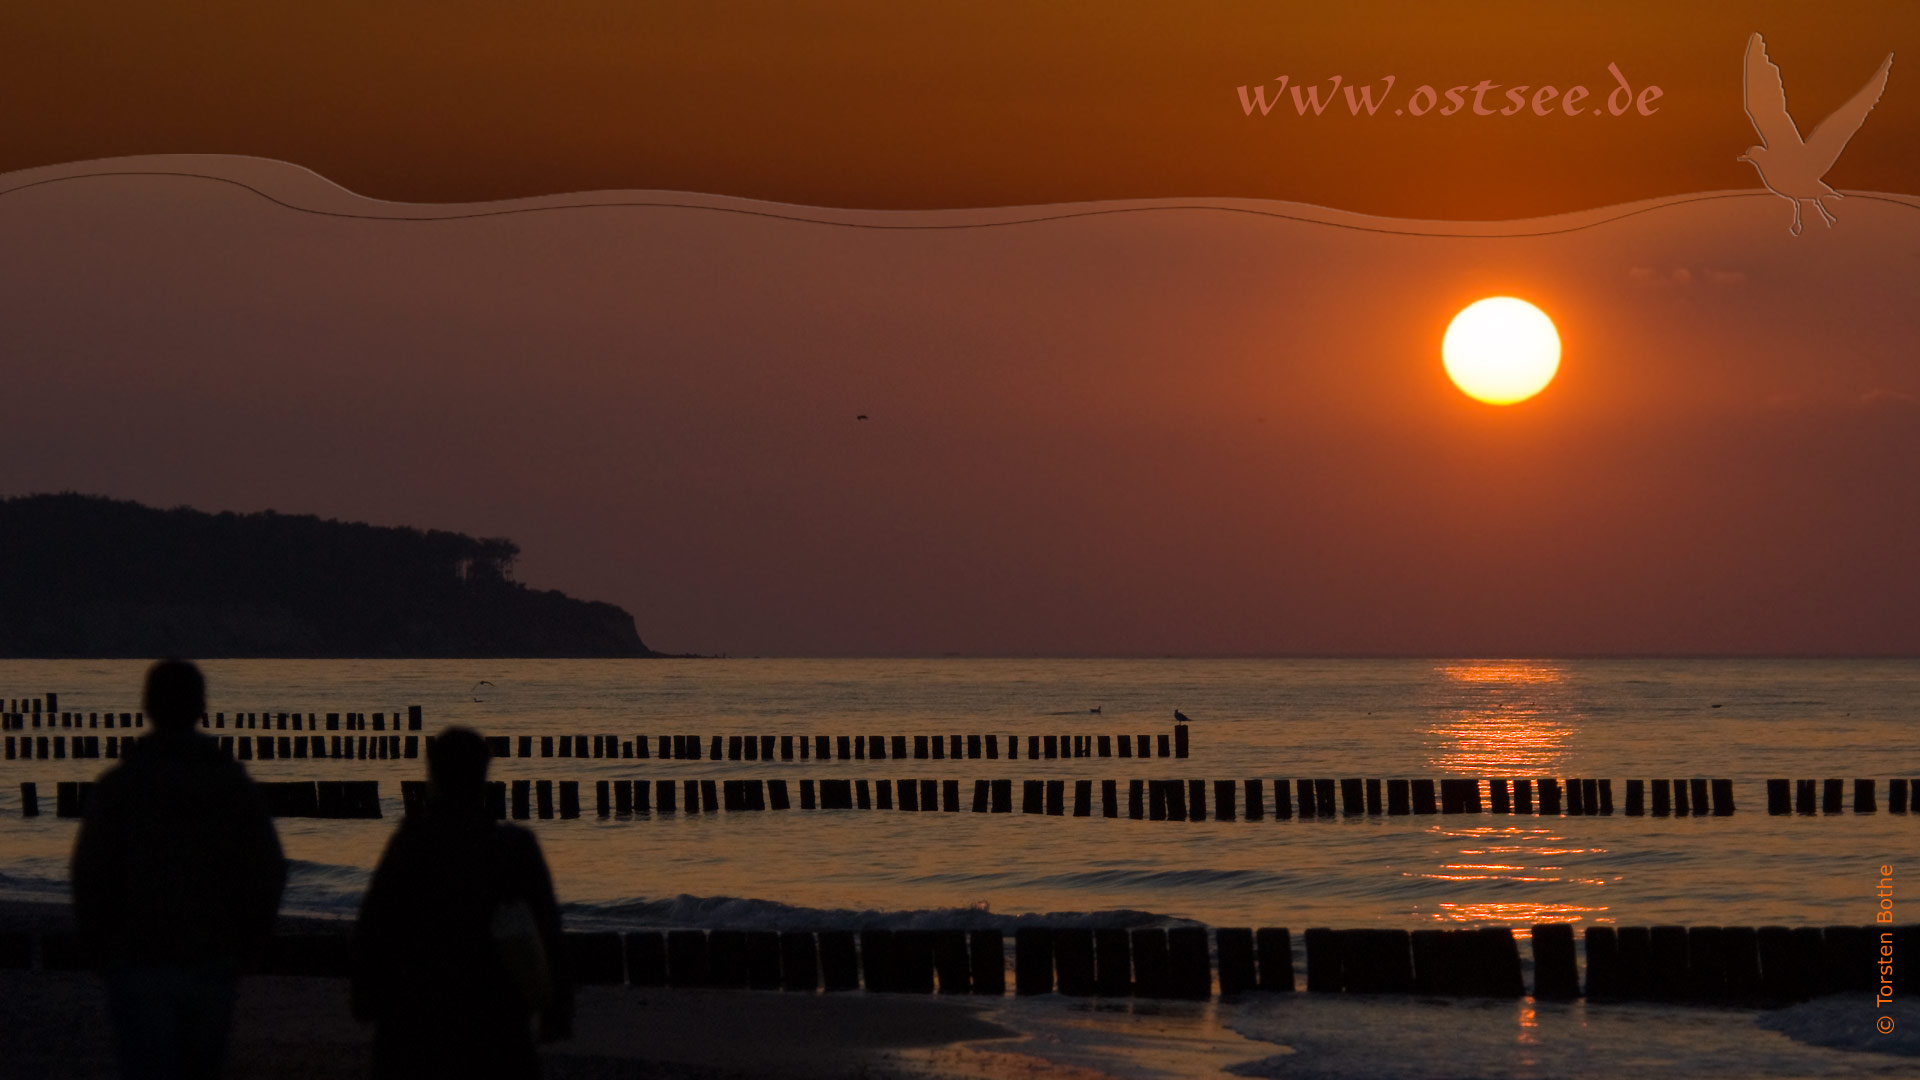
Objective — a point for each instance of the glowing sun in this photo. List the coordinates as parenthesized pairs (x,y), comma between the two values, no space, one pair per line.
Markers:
(1501,350)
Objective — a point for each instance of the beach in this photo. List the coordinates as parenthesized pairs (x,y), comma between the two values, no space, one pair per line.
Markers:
(299,1027)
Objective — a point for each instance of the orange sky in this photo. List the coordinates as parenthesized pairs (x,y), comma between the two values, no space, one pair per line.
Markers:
(882,104)
(1172,432)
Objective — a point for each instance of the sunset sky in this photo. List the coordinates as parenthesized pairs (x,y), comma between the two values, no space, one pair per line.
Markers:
(1163,431)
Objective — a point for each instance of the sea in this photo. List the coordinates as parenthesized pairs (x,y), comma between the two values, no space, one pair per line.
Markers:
(1743,720)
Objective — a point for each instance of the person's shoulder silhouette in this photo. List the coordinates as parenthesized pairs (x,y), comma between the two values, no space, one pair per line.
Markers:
(458,944)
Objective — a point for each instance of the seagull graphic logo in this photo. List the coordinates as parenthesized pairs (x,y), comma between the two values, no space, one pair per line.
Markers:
(1792,167)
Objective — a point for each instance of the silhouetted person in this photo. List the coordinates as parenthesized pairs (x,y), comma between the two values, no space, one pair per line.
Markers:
(177,875)
(429,970)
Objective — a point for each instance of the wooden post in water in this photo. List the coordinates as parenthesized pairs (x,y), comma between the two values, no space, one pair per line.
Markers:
(877,960)
(1032,960)
(1698,788)
(1603,964)
(1176,800)
(951,961)
(29,800)
(1187,959)
(1399,797)
(1423,796)
(1235,948)
(1742,949)
(1706,963)
(1353,798)
(1073,960)
(646,954)
(839,962)
(1549,797)
(1555,975)
(1863,800)
(1136,807)
(799,962)
(987,962)
(1323,961)
(1274,947)
(1152,964)
(1323,796)
(1180,740)
(687,963)
(1256,800)
(1830,802)
(1896,796)
(1667,962)
(1112,962)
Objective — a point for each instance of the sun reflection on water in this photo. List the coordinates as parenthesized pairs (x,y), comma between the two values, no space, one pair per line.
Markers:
(1497,859)
(1506,718)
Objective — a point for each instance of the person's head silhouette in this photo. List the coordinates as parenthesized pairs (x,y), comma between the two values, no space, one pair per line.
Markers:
(457,765)
(176,695)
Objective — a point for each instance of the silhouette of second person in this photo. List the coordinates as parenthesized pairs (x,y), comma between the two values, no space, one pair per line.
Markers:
(458,944)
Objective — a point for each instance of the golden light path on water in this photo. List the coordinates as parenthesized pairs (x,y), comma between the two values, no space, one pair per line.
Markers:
(1508,719)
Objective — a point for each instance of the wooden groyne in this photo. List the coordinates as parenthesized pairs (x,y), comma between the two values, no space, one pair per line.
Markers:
(789,748)
(1284,799)
(1148,799)
(298,798)
(1766,965)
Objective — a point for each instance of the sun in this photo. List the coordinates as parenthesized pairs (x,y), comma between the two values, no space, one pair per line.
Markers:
(1501,350)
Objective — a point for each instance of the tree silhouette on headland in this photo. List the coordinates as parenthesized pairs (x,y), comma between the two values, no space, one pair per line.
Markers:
(83,576)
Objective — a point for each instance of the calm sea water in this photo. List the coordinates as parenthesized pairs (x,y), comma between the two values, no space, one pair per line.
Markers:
(1747,720)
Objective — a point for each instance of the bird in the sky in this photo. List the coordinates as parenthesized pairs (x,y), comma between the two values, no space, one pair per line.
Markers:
(862,416)
(1792,167)
(1179,716)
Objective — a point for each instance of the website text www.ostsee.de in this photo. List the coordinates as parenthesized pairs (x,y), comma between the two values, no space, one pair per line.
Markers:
(1282,96)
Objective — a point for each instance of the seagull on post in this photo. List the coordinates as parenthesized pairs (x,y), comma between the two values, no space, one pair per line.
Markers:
(1792,167)
(1179,717)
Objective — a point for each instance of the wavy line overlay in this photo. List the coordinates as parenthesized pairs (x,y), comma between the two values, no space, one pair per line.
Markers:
(203,168)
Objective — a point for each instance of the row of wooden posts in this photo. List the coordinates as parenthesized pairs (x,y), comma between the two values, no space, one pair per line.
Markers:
(303,798)
(16,720)
(1708,964)
(1155,800)
(244,747)
(843,747)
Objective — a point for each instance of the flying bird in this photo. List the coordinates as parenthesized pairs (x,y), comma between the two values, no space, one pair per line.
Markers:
(862,416)
(1180,716)
(1792,167)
